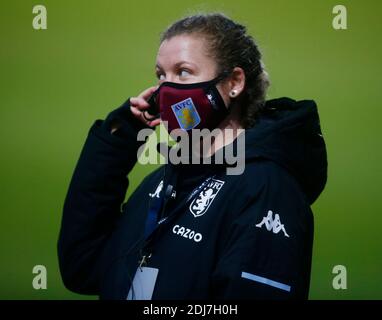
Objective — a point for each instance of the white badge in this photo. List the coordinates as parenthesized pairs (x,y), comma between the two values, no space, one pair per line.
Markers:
(143,284)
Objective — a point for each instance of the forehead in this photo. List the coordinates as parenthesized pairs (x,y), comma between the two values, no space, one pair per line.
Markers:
(188,48)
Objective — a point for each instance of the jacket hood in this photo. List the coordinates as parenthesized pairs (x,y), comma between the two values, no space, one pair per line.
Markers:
(288,132)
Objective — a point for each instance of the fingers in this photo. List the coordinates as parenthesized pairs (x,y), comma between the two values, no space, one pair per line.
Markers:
(154,123)
(148,92)
(139,104)
(139,115)
(136,112)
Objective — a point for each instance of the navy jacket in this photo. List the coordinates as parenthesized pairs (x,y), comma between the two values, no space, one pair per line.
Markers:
(245,236)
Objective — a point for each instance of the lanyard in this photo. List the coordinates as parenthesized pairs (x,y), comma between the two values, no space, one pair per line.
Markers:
(159,204)
(153,225)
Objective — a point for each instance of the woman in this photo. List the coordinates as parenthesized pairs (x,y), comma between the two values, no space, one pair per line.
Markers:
(194,231)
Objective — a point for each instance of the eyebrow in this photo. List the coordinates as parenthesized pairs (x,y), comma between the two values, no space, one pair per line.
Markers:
(178,64)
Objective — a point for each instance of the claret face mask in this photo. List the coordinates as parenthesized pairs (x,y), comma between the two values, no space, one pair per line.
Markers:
(189,106)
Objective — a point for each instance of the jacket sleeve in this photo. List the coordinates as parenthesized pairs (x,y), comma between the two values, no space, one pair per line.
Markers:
(93,201)
(266,253)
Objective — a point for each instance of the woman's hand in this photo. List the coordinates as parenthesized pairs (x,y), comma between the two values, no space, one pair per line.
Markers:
(139,105)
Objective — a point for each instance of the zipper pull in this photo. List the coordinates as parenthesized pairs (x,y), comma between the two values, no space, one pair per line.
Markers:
(143,261)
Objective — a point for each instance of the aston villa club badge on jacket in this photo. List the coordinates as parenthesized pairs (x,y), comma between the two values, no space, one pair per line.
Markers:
(206,196)
(186,114)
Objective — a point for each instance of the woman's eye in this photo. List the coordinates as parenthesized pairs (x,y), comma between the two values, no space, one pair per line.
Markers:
(184,73)
(160,76)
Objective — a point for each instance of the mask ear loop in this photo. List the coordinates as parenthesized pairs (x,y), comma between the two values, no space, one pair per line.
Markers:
(149,119)
(153,109)
(223,75)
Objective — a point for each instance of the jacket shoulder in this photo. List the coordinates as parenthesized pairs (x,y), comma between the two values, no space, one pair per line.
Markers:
(267,174)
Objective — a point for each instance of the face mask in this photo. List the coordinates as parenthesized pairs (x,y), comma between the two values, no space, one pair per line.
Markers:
(189,106)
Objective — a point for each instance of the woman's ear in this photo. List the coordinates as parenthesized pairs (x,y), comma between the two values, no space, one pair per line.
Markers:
(236,82)
(231,87)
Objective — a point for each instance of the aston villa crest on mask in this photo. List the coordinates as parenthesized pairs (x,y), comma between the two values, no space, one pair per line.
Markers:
(206,196)
(186,114)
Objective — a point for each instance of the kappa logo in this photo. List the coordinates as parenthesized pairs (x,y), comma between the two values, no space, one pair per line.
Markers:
(157,191)
(273,225)
(202,202)
(186,114)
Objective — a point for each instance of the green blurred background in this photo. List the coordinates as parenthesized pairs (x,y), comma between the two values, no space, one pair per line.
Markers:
(54,83)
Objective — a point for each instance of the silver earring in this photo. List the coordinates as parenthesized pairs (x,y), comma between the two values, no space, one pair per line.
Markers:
(233,93)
